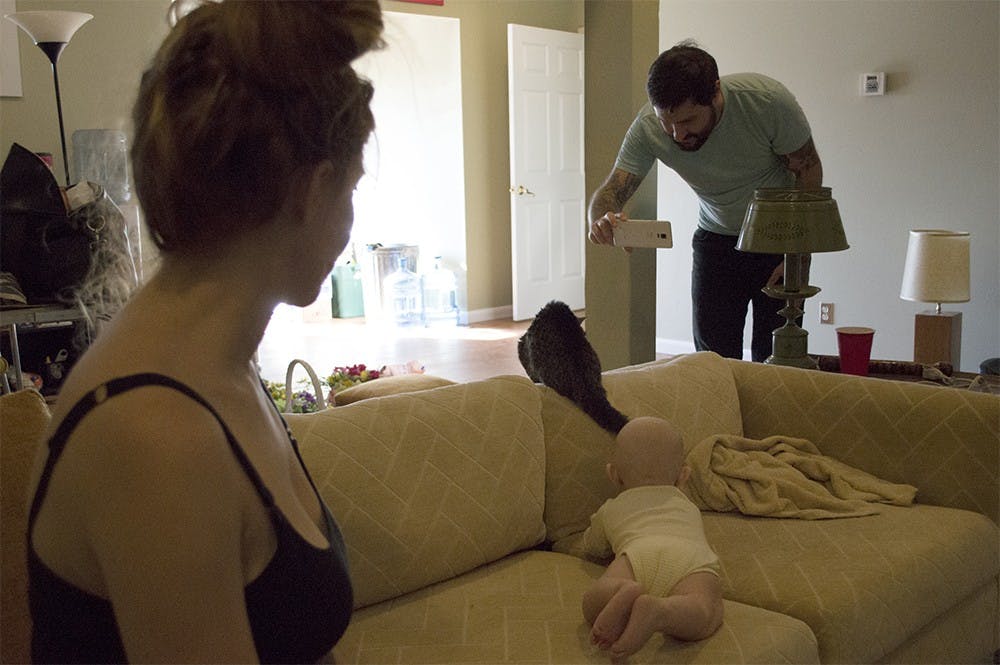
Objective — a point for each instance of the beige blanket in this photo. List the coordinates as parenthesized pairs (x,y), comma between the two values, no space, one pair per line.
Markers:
(783,477)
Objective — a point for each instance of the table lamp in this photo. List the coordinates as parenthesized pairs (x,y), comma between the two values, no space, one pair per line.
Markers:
(51,31)
(937,271)
(792,222)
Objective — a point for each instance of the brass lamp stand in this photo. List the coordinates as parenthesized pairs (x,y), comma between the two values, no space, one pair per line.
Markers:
(792,222)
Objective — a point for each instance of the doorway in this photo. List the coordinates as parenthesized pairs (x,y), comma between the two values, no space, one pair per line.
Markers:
(413,190)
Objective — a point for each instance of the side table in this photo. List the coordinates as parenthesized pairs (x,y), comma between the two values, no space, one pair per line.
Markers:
(936,374)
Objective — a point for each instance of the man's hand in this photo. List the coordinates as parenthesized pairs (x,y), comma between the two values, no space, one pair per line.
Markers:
(602,230)
(607,203)
(779,273)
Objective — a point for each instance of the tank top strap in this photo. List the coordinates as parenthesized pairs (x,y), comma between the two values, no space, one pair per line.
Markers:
(295,447)
(116,387)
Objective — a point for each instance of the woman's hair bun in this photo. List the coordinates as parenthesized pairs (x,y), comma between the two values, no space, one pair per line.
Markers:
(282,40)
(240,95)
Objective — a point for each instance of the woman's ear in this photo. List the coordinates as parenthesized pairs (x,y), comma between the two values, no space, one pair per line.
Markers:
(322,181)
(309,193)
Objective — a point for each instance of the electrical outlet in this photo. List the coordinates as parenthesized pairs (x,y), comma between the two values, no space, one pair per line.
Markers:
(826,312)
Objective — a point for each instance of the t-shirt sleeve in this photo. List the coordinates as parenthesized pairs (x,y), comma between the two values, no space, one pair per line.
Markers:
(635,155)
(790,129)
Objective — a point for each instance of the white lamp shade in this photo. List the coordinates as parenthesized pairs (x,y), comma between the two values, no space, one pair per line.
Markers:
(49,26)
(937,266)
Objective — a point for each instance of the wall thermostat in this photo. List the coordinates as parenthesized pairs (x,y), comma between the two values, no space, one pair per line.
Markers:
(873,83)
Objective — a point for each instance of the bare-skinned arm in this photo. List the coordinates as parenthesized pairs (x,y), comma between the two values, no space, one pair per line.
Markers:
(607,204)
(164,527)
(805,164)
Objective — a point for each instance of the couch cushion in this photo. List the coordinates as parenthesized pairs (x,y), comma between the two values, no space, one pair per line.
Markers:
(695,392)
(941,440)
(389,385)
(864,585)
(429,485)
(526,609)
(23,419)
(967,633)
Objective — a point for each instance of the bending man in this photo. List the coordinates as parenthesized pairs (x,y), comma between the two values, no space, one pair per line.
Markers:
(726,137)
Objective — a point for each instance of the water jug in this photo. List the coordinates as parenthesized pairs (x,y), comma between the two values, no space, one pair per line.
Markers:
(101,156)
(440,306)
(402,298)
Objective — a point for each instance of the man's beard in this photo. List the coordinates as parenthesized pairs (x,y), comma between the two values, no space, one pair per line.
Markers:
(693,142)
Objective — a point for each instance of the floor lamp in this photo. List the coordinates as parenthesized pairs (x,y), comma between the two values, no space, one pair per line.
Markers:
(937,271)
(792,222)
(51,31)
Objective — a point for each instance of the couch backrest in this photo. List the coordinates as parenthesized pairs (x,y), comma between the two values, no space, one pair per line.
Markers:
(695,392)
(429,485)
(23,419)
(944,441)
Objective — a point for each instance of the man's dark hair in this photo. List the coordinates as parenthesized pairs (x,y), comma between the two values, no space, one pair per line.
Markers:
(681,73)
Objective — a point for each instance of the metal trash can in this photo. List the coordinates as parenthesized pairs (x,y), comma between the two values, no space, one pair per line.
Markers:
(381,261)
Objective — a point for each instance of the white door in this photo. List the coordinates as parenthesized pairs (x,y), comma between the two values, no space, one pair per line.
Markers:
(548,212)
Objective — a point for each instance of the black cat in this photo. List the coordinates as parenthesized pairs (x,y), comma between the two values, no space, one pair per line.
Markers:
(554,351)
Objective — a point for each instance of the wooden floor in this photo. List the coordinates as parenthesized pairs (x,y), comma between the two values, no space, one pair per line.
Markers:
(458,353)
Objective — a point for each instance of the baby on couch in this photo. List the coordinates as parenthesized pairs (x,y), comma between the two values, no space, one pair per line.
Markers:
(664,577)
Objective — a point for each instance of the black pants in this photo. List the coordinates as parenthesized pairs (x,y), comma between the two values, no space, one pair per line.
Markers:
(724,281)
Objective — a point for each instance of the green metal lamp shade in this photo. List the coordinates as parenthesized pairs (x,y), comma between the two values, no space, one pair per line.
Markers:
(792,221)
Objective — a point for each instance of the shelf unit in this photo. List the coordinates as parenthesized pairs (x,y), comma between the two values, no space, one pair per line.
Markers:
(22,320)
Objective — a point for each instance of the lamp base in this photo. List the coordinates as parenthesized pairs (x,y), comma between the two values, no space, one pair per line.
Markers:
(937,338)
(790,344)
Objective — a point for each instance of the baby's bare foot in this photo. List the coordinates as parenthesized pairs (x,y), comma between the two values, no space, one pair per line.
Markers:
(648,615)
(610,623)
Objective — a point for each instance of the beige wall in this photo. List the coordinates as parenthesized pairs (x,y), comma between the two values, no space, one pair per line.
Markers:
(98,74)
(100,70)
(923,156)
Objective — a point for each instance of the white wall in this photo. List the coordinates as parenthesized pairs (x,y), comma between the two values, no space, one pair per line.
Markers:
(926,155)
(414,188)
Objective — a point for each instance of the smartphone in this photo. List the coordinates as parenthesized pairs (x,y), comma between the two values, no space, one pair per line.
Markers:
(643,233)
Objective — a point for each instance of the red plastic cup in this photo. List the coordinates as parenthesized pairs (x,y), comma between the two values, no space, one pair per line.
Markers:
(854,344)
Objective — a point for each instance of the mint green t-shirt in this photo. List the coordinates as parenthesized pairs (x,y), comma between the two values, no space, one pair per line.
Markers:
(760,120)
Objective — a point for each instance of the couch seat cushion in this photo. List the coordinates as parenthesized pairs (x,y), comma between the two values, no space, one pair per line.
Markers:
(864,585)
(526,609)
(428,485)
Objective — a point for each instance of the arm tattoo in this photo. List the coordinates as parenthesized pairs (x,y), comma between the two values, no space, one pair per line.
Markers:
(614,193)
(805,164)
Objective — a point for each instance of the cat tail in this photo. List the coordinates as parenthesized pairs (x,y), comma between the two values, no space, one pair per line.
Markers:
(599,408)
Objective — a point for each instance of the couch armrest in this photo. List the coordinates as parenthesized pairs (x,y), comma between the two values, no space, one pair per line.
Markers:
(944,441)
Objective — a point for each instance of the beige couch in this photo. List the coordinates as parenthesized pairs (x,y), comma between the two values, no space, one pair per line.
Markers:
(445,497)
(448,497)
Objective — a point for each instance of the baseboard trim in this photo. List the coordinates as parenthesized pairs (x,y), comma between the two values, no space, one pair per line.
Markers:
(673,347)
(487,314)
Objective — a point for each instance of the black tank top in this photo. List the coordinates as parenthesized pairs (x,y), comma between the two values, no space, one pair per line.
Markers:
(299,606)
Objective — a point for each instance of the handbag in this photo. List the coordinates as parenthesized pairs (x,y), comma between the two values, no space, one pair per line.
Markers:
(48,249)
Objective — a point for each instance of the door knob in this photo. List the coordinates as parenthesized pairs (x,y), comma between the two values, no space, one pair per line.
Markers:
(521,190)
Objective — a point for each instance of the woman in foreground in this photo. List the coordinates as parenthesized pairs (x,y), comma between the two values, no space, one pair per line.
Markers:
(173,519)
